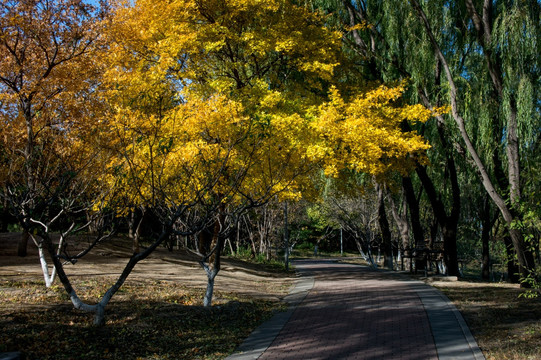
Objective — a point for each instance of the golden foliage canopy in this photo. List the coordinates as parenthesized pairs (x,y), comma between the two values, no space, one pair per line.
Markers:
(364,134)
(49,73)
(224,85)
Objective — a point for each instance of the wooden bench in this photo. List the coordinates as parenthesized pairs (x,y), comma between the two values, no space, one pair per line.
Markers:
(424,256)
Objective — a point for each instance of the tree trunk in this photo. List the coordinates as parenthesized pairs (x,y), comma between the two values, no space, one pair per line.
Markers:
(251,236)
(207,300)
(512,266)
(366,255)
(5,215)
(485,239)
(513,156)
(231,250)
(134,232)
(262,242)
(385,230)
(49,279)
(268,248)
(450,250)
(22,245)
(286,237)
(401,220)
(99,308)
(402,224)
(413,205)
(237,238)
(30,166)
(525,255)
(213,258)
(448,224)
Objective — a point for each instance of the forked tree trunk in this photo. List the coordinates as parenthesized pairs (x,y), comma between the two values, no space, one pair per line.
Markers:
(214,259)
(366,255)
(49,278)
(211,275)
(99,308)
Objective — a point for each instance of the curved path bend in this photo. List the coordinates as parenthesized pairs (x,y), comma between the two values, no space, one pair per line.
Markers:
(345,311)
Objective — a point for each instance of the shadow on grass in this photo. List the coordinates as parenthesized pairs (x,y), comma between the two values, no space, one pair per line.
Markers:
(135,329)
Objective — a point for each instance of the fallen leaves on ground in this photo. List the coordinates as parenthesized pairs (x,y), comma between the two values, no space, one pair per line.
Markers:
(505,325)
(145,320)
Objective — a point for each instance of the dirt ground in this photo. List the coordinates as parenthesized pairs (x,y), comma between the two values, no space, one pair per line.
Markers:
(241,278)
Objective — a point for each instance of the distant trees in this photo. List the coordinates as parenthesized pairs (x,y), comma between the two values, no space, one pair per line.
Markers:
(356,212)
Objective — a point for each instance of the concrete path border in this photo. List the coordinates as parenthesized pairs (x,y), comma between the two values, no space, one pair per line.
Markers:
(452,336)
(263,336)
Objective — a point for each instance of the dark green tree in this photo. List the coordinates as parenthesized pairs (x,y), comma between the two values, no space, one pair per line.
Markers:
(481,58)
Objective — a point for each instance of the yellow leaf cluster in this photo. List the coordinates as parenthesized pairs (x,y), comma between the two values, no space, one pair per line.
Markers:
(365,133)
(51,61)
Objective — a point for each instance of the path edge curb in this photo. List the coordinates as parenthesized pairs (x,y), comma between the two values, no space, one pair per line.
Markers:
(263,336)
(468,336)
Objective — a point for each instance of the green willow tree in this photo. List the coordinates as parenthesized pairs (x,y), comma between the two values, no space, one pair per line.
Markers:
(481,57)
(506,35)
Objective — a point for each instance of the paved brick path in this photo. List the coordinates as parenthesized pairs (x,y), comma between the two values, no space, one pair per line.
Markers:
(355,313)
(343,311)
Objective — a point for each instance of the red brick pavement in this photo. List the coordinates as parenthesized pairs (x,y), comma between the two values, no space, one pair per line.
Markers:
(353,312)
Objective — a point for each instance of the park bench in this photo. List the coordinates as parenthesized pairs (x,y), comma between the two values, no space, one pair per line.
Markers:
(424,258)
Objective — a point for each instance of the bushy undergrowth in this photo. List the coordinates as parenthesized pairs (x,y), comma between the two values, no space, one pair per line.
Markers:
(246,254)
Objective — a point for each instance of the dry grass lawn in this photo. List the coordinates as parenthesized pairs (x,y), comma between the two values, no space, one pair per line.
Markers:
(157,314)
(505,324)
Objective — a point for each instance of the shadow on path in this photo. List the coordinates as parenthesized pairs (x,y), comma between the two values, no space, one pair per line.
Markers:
(346,311)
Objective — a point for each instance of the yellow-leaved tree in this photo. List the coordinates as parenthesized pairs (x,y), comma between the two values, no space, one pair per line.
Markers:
(205,113)
(217,106)
(49,111)
(210,98)
(365,134)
